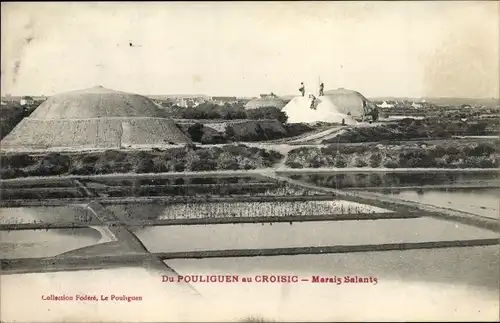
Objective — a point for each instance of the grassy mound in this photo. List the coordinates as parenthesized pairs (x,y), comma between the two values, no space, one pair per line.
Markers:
(231,157)
(452,155)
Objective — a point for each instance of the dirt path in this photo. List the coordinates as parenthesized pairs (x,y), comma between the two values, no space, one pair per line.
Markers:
(317,138)
(333,135)
(290,139)
(238,173)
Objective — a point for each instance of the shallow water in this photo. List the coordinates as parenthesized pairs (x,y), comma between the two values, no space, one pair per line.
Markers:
(47,243)
(71,213)
(324,233)
(485,202)
(442,284)
(407,180)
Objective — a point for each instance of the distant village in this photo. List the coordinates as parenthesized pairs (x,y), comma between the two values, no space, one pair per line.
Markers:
(194,101)
(387,108)
(184,101)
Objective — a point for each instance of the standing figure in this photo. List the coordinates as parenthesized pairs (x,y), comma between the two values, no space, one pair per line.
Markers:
(313,101)
(321,89)
(302,89)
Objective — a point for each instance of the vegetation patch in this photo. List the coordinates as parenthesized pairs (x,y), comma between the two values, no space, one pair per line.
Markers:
(451,155)
(221,132)
(11,114)
(410,129)
(226,112)
(230,157)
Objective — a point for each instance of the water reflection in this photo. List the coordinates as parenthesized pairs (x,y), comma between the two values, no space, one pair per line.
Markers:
(341,181)
(483,202)
(325,233)
(45,243)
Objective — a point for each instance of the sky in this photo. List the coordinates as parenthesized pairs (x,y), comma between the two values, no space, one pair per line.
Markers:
(410,49)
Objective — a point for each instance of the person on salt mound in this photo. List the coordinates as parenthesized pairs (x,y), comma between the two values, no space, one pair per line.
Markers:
(302,89)
(321,89)
(313,101)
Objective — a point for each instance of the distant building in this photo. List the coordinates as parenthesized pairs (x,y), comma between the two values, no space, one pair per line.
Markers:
(198,101)
(221,100)
(27,100)
(385,105)
(190,102)
(416,105)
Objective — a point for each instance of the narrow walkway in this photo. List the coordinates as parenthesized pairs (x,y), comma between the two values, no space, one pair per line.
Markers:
(127,243)
(241,173)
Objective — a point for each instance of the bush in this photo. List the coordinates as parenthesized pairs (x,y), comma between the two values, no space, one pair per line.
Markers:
(177,166)
(339,161)
(375,159)
(144,165)
(293,164)
(18,160)
(390,163)
(199,165)
(229,132)
(296,129)
(229,165)
(7,173)
(211,136)
(53,164)
(267,113)
(481,149)
(417,159)
(111,155)
(82,169)
(331,150)
(360,162)
(348,150)
(196,132)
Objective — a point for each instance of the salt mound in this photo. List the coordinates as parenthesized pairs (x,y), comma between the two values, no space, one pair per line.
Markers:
(349,101)
(96,102)
(299,110)
(94,118)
